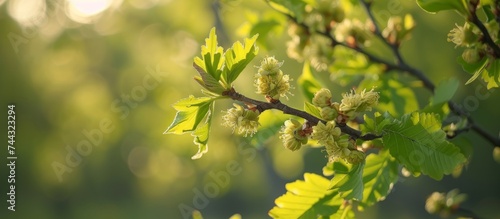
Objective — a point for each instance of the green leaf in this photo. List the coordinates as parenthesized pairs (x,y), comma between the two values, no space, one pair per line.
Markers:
(379,175)
(207,81)
(237,58)
(487,12)
(347,178)
(418,142)
(212,59)
(311,109)
(445,91)
(190,112)
(442,94)
(201,135)
(492,74)
(396,98)
(344,213)
(433,6)
(308,83)
(310,198)
(265,24)
(476,69)
(295,8)
(377,124)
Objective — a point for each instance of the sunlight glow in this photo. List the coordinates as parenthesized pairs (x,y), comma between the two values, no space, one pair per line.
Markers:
(27,12)
(83,11)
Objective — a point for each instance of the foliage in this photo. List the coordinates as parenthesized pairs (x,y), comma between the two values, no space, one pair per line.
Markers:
(364,155)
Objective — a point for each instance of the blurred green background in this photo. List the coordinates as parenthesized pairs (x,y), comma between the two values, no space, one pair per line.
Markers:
(102,75)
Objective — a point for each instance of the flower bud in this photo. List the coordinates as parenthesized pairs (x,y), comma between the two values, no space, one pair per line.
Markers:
(471,55)
(355,157)
(291,136)
(338,13)
(322,98)
(242,120)
(270,79)
(269,66)
(328,113)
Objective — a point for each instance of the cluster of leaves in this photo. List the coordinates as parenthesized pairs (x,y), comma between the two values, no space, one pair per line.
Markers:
(218,69)
(481,56)
(402,134)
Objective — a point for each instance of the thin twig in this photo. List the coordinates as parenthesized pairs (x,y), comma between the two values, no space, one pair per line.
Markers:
(486,35)
(263,106)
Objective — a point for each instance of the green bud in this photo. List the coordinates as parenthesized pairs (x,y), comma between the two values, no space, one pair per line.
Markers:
(322,98)
(291,135)
(328,113)
(338,13)
(471,55)
(355,157)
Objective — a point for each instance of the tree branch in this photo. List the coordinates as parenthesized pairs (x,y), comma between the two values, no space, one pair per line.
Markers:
(402,66)
(427,82)
(263,106)
(487,38)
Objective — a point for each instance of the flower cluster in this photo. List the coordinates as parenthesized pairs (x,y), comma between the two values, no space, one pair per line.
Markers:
(353,32)
(270,80)
(292,135)
(338,145)
(353,103)
(398,29)
(306,43)
(469,37)
(242,120)
(444,204)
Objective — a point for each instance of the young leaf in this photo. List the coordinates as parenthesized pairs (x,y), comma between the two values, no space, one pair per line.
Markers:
(190,112)
(207,81)
(442,94)
(237,58)
(379,175)
(445,91)
(201,135)
(377,124)
(212,59)
(433,6)
(418,142)
(311,109)
(492,74)
(310,198)
(347,178)
(307,82)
